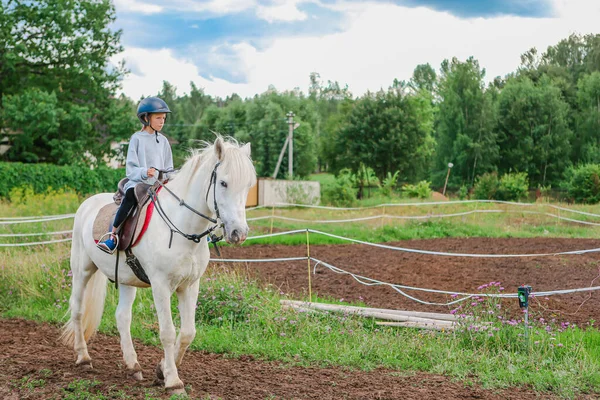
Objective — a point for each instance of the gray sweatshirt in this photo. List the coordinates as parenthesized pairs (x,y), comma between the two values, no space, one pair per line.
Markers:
(144,153)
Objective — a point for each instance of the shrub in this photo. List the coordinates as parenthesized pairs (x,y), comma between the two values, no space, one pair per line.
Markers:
(513,186)
(342,192)
(583,183)
(389,183)
(486,186)
(42,177)
(463,192)
(421,190)
(227,299)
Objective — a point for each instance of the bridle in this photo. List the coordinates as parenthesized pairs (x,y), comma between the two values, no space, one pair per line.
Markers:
(195,237)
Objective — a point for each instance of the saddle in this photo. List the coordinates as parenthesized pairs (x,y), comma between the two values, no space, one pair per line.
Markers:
(136,222)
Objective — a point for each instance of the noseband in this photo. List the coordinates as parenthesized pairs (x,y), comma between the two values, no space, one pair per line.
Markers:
(195,237)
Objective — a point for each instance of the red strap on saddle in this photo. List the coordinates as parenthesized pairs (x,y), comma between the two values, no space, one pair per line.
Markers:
(149,211)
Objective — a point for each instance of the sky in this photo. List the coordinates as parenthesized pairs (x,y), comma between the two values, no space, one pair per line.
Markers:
(243,46)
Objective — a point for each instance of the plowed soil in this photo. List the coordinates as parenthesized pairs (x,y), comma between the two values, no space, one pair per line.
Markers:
(34,366)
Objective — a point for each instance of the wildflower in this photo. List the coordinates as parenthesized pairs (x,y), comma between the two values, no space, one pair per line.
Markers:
(282,334)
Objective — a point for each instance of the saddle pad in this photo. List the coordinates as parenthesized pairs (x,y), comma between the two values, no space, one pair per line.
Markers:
(106,215)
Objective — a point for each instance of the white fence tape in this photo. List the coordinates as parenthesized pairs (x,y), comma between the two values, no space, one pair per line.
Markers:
(441,253)
(46,219)
(433,203)
(34,243)
(34,234)
(36,217)
(416,217)
(403,288)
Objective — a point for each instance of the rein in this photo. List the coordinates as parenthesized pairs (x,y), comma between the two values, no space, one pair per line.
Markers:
(195,237)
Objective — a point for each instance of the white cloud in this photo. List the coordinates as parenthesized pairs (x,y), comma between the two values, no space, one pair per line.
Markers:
(286,11)
(379,42)
(137,6)
(152,67)
(213,6)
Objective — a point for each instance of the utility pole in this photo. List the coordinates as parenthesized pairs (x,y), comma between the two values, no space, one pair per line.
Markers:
(288,140)
(290,120)
(450,165)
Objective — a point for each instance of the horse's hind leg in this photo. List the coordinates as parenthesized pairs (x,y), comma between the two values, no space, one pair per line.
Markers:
(83,269)
(123,315)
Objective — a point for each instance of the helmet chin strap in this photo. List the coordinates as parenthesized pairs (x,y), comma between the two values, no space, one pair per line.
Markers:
(154,129)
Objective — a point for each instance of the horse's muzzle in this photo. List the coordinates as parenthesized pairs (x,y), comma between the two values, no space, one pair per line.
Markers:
(237,236)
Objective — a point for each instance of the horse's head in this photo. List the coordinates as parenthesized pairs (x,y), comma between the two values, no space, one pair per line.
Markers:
(235,175)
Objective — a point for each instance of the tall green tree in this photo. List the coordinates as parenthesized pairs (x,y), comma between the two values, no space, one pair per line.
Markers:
(387,131)
(586,143)
(424,78)
(59,50)
(465,121)
(534,134)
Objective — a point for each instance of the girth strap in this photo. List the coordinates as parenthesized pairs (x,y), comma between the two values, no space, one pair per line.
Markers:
(136,267)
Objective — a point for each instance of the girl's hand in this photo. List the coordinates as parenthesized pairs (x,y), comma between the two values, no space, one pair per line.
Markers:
(151,172)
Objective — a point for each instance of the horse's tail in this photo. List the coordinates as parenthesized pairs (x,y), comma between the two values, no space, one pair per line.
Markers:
(93,306)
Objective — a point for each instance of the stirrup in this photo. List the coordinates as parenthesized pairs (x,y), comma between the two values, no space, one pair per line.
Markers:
(107,250)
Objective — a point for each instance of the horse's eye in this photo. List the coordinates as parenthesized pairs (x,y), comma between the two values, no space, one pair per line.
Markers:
(224,184)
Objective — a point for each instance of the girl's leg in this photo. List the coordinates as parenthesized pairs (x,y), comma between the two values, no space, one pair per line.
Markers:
(110,244)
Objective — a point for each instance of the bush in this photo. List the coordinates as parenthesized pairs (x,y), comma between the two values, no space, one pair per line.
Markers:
(421,190)
(486,186)
(227,299)
(42,177)
(463,192)
(583,183)
(389,183)
(342,192)
(513,187)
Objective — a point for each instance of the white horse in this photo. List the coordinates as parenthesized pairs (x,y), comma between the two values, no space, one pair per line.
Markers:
(177,268)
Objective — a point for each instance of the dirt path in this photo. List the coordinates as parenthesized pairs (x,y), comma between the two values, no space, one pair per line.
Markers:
(435,272)
(29,353)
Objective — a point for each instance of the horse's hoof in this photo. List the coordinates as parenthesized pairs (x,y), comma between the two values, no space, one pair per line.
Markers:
(137,376)
(85,365)
(176,390)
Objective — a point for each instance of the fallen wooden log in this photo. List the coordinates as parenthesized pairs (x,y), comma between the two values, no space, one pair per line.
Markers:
(419,325)
(366,312)
(339,307)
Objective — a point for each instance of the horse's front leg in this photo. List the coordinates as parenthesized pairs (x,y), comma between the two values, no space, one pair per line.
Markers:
(187,297)
(162,301)
(123,315)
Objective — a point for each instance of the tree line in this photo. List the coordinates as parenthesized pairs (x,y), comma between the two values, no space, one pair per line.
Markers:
(59,105)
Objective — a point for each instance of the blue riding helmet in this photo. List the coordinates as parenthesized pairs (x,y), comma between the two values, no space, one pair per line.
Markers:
(151,105)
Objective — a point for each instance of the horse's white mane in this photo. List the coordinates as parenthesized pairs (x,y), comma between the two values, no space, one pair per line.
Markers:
(235,163)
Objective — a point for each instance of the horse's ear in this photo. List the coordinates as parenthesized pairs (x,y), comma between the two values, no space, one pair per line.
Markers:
(219,148)
(246,149)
